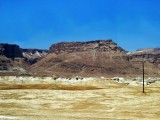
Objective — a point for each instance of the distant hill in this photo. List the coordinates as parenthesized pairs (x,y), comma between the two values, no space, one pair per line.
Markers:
(91,58)
(94,58)
(14,58)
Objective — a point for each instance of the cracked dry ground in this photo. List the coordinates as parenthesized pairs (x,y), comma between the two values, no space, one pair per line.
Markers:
(113,102)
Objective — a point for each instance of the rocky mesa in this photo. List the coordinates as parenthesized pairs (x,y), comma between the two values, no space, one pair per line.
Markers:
(98,45)
(92,58)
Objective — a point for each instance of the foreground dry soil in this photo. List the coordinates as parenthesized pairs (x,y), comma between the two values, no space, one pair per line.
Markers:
(95,100)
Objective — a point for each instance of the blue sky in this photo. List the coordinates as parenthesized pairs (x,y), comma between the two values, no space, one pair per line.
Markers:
(132,24)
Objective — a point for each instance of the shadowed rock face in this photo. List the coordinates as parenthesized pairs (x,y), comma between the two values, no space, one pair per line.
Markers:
(10,51)
(4,63)
(14,51)
(98,45)
(12,56)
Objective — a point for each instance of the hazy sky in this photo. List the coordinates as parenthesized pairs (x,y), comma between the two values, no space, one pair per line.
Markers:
(132,24)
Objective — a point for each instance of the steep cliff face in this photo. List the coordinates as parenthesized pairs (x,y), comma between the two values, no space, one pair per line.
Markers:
(98,45)
(10,50)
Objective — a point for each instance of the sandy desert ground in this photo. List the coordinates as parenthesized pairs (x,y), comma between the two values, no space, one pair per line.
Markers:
(88,99)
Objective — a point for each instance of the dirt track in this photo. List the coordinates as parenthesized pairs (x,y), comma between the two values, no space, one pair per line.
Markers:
(108,101)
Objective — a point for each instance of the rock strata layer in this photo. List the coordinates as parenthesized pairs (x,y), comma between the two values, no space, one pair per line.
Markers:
(98,45)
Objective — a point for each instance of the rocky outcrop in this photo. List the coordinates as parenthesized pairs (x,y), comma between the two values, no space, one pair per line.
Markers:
(15,59)
(98,45)
(10,50)
(5,63)
(33,51)
(151,55)
(33,55)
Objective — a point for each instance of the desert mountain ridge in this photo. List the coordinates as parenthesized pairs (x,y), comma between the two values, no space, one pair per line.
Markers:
(91,58)
(98,45)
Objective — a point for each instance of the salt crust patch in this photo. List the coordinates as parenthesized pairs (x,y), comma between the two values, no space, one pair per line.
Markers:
(7,117)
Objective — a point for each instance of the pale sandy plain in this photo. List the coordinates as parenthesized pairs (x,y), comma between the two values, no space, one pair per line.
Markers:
(88,99)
